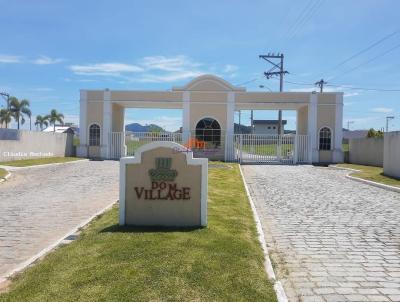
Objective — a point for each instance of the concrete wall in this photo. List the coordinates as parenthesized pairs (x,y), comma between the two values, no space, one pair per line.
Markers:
(268,129)
(366,151)
(391,164)
(30,144)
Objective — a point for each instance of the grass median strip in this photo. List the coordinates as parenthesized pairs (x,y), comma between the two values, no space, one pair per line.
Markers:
(223,262)
(38,161)
(372,173)
(3,173)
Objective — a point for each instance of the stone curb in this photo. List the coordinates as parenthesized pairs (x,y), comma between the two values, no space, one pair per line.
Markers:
(5,177)
(12,168)
(279,290)
(52,246)
(365,181)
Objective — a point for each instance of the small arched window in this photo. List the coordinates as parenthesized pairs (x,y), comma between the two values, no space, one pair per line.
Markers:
(325,139)
(209,130)
(94,135)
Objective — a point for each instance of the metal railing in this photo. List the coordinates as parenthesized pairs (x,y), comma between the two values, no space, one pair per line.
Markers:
(218,145)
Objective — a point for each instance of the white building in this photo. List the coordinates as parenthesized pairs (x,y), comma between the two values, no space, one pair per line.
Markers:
(269,127)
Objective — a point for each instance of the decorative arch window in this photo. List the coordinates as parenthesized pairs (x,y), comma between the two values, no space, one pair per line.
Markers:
(325,139)
(209,130)
(94,135)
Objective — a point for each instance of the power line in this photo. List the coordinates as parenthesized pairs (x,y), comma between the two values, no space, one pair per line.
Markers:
(366,62)
(364,88)
(347,87)
(365,49)
(299,17)
(307,18)
(304,16)
(249,81)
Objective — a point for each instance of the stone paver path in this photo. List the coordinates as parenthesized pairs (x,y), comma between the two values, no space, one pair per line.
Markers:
(333,239)
(40,205)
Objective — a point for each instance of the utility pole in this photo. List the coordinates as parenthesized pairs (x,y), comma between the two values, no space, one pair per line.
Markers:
(388,118)
(240,124)
(6,95)
(320,84)
(251,122)
(271,58)
(348,124)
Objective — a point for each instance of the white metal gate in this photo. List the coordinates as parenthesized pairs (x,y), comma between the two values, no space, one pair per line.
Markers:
(242,148)
(116,143)
(269,149)
(134,140)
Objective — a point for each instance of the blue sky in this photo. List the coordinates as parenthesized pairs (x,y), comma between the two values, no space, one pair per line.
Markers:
(51,49)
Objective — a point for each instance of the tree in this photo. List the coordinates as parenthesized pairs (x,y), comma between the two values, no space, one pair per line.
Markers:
(19,109)
(5,117)
(54,117)
(373,133)
(41,121)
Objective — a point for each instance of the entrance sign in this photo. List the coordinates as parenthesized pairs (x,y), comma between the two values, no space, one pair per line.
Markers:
(163,185)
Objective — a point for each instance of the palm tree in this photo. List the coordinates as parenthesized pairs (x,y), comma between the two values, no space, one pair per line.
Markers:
(54,117)
(19,109)
(5,117)
(41,121)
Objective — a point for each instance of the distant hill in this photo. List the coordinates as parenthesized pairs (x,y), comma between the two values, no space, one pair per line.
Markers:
(242,129)
(354,133)
(136,127)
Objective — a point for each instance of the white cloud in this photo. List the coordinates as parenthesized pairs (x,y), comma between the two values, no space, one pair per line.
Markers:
(382,110)
(71,118)
(44,60)
(350,94)
(43,89)
(229,68)
(7,59)
(169,77)
(105,69)
(149,69)
(175,63)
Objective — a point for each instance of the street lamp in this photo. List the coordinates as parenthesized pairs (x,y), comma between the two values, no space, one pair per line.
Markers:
(388,118)
(7,96)
(348,124)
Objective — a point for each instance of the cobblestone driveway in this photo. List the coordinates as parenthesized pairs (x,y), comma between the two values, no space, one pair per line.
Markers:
(333,239)
(38,206)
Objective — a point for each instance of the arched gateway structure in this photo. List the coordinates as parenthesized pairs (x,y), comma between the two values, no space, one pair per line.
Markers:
(208,104)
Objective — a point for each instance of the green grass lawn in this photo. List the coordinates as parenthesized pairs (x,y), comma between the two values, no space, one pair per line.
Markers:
(3,173)
(223,262)
(38,161)
(372,173)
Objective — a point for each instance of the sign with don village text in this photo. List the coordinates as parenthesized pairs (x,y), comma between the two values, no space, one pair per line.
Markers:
(163,185)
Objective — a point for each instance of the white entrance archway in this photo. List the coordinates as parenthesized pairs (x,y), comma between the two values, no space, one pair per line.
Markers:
(211,96)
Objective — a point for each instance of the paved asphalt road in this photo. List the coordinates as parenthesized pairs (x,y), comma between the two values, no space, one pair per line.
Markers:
(333,239)
(40,205)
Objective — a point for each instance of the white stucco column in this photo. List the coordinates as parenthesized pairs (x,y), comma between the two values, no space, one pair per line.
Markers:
(107,123)
(186,117)
(296,141)
(337,151)
(82,150)
(230,126)
(312,130)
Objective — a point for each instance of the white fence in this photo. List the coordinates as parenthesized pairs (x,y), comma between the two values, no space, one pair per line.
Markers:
(242,148)
(391,161)
(134,140)
(258,148)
